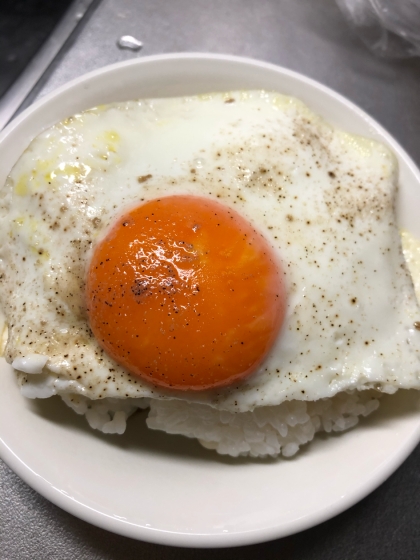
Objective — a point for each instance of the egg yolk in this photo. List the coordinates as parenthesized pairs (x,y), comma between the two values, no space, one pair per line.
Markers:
(185,293)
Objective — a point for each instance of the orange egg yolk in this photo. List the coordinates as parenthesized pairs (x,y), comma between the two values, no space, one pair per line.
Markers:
(184,293)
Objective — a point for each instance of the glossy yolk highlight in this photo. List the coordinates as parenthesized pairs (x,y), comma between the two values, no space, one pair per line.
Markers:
(184,293)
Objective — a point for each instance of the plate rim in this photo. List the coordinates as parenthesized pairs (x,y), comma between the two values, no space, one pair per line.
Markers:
(194,540)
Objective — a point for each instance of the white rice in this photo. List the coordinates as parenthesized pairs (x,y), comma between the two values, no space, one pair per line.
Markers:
(107,415)
(266,431)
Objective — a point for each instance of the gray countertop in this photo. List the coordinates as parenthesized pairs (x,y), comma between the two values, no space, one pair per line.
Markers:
(311,37)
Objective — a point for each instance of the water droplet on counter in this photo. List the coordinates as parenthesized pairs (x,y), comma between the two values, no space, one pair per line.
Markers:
(129,42)
(198,163)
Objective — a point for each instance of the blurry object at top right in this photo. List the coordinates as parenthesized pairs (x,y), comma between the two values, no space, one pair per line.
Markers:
(390,28)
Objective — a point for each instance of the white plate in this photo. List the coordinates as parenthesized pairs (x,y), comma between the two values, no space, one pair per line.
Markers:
(166,489)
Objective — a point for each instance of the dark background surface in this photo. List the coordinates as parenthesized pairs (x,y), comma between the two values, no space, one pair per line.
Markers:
(311,37)
(24,26)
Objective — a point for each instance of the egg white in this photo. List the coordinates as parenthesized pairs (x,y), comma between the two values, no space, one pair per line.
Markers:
(324,200)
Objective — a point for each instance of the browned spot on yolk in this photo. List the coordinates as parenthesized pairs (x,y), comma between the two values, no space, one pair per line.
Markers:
(184,293)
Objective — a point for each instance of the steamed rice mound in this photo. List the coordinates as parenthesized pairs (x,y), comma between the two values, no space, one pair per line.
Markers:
(265,432)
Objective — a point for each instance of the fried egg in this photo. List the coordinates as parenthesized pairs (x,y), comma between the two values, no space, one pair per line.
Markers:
(317,203)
